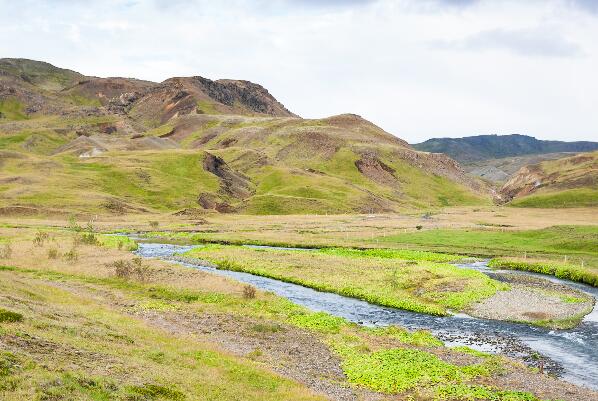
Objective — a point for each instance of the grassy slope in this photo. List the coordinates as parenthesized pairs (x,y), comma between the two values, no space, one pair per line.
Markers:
(582,197)
(295,180)
(568,182)
(156,180)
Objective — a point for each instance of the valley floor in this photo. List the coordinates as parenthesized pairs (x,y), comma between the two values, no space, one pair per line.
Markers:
(81,318)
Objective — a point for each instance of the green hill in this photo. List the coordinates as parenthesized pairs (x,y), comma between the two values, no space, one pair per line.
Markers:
(124,145)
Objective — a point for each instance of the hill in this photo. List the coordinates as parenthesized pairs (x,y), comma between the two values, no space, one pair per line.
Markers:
(566,182)
(68,141)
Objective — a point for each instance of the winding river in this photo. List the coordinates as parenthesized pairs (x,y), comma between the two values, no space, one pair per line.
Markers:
(573,354)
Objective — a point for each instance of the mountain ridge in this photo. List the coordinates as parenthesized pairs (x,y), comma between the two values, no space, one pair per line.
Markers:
(484,147)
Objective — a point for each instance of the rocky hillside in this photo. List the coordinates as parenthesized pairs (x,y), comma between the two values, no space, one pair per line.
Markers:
(193,145)
(566,182)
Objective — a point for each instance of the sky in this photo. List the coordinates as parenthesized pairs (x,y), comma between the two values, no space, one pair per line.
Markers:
(417,68)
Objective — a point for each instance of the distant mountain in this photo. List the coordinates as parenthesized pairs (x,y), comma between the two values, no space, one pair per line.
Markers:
(195,145)
(485,147)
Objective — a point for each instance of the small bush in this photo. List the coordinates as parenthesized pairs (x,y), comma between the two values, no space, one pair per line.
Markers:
(52,253)
(9,316)
(419,227)
(88,238)
(154,224)
(249,292)
(6,251)
(134,269)
(73,224)
(40,238)
(71,256)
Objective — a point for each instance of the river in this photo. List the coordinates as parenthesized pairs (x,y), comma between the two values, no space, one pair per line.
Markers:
(573,354)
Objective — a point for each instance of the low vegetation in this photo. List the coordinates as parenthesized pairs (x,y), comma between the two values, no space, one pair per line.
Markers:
(401,279)
(112,354)
(561,270)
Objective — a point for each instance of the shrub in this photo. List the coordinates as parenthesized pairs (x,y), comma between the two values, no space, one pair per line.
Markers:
(52,253)
(72,255)
(6,251)
(154,224)
(40,238)
(419,227)
(9,316)
(249,292)
(73,224)
(131,269)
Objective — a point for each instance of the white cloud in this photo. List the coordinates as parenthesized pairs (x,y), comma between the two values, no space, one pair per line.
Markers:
(494,67)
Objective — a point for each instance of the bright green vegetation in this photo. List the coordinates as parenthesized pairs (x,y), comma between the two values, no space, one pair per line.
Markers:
(403,370)
(581,197)
(397,370)
(9,316)
(389,280)
(319,321)
(103,352)
(419,338)
(12,109)
(401,254)
(560,270)
(559,240)
(117,242)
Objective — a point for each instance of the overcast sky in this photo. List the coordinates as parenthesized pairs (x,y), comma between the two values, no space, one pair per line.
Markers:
(417,68)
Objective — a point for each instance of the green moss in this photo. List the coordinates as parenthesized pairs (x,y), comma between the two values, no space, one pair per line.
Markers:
(425,287)
(420,338)
(320,321)
(151,391)
(397,370)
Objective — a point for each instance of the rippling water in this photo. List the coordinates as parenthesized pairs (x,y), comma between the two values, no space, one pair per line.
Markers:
(576,350)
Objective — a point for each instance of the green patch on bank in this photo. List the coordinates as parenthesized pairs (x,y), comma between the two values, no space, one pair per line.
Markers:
(564,271)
